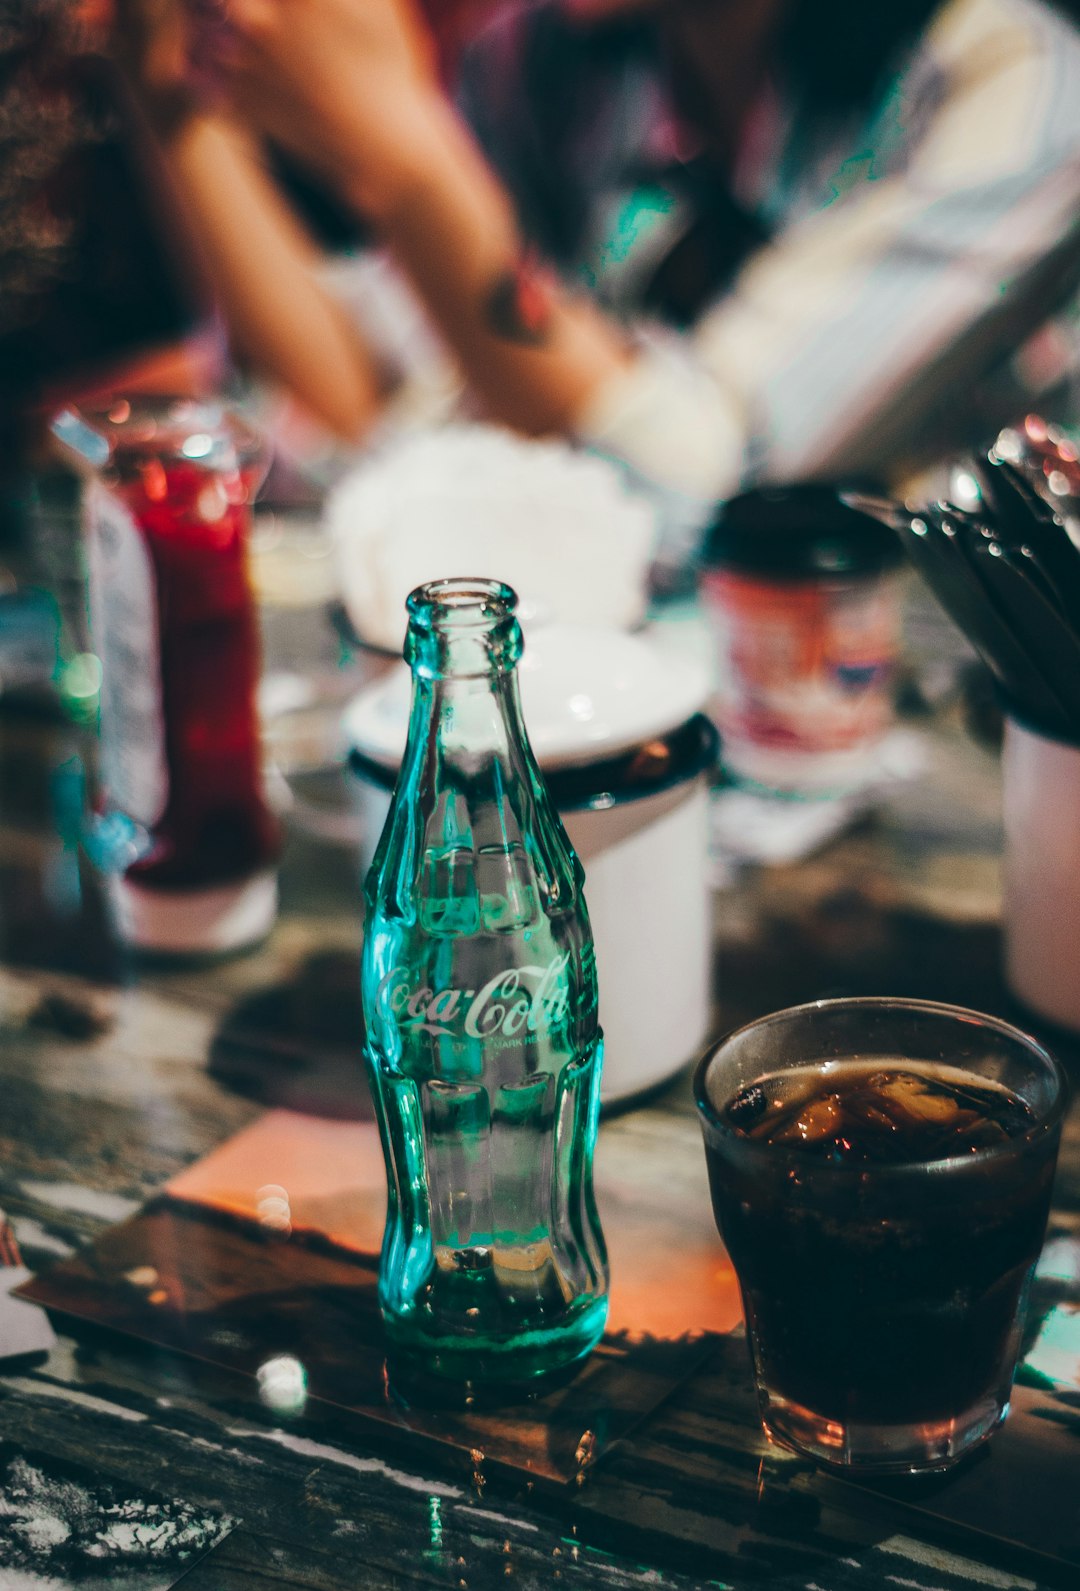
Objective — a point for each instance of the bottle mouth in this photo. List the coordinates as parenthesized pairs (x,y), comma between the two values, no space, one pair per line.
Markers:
(462,627)
(461,603)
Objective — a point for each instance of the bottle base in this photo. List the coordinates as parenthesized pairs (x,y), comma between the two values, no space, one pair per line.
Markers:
(195,922)
(475,1373)
(868,1448)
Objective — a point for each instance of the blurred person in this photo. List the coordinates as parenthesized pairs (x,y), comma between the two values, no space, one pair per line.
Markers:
(96,281)
(259,257)
(113,275)
(454,24)
(724,242)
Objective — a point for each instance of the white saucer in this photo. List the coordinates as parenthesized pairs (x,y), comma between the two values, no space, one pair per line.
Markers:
(587,694)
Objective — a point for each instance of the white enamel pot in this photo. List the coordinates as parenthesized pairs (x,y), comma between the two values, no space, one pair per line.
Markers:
(638,824)
(627,756)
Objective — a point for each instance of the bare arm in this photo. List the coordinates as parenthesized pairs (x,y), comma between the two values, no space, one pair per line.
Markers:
(282,322)
(532,353)
(262,265)
(822,357)
(349,87)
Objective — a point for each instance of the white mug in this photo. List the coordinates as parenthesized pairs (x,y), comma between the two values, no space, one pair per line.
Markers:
(1041,810)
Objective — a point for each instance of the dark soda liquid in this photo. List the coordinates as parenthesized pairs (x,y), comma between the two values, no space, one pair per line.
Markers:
(216,827)
(883,1256)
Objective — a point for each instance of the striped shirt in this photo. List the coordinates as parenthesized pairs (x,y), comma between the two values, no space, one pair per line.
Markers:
(911,285)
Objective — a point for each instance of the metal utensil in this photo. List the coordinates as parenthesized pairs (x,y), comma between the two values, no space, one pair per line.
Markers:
(889,510)
(932,540)
(1022,517)
(1050,460)
(1036,622)
(983,530)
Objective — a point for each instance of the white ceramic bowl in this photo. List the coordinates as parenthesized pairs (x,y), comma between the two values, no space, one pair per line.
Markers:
(585,693)
(558,525)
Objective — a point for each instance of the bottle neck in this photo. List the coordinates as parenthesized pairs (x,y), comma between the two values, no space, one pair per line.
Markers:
(469,785)
(463,645)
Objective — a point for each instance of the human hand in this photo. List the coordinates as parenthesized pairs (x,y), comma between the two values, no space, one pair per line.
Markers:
(173,52)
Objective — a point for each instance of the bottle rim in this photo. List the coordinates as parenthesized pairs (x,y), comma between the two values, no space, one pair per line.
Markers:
(461,602)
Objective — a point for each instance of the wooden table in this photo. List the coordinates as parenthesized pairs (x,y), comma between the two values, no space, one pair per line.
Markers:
(143,1470)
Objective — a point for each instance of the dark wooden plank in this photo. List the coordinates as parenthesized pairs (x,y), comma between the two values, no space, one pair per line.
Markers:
(90,1127)
(155,1420)
(450,1554)
(185,1277)
(702,1474)
(65,1526)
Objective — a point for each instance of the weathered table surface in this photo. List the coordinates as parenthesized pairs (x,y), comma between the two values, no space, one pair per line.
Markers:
(138,1469)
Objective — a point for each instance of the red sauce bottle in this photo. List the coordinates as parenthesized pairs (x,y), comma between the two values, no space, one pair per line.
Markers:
(173,621)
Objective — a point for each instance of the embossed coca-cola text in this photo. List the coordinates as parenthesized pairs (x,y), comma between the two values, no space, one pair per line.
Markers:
(516,1000)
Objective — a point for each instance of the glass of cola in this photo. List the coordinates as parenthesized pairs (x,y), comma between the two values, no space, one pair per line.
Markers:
(881,1172)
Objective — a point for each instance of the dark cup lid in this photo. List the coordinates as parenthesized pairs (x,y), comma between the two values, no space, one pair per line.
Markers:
(799,533)
(659,764)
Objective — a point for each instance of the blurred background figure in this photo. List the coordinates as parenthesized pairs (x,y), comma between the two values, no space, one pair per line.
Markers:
(99,286)
(722,241)
(729,242)
(96,272)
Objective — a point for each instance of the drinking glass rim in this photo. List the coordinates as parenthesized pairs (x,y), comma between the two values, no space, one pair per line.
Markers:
(1045,1123)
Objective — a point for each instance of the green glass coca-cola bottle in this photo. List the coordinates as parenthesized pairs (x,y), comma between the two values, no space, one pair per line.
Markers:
(480,1008)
